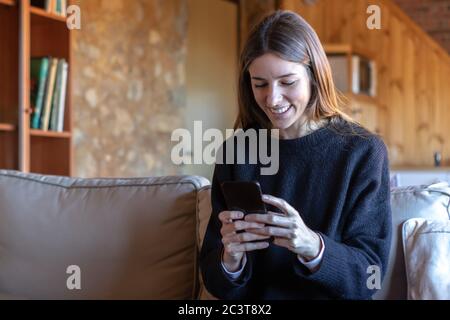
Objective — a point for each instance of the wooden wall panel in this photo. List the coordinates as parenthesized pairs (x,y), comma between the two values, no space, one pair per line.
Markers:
(313,14)
(339,24)
(422,104)
(413,94)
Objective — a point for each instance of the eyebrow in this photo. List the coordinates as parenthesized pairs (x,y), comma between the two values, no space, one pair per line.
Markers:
(283,76)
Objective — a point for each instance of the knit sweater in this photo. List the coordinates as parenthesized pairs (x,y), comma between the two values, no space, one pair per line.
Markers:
(338,181)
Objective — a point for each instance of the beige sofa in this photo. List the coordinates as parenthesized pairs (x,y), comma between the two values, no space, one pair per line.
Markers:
(426,201)
(134,238)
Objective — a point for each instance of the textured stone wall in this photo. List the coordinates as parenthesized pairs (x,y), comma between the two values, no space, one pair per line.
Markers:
(128,86)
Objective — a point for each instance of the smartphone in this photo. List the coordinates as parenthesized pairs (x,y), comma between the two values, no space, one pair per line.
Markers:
(245,196)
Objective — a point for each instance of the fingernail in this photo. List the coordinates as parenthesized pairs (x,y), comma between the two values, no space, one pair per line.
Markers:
(240,215)
(265,197)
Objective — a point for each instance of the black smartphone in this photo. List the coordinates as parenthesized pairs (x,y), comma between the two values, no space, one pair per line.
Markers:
(245,196)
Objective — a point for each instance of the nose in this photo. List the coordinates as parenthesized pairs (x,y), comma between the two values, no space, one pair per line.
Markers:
(274,96)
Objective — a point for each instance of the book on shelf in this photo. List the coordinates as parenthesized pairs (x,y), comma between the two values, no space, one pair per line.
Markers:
(48,93)
(38,76)
(364,76)
(53,6)
(49,90)
(58,102)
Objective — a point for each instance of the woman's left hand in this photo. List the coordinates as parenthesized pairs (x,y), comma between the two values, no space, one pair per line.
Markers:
(287,228)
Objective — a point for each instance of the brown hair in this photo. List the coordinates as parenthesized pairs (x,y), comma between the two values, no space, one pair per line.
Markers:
(290,37)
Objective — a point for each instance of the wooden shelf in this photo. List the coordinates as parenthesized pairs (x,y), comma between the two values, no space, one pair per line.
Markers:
(7,127)
(50,134)
(337,48)
(8,2)
(42,13)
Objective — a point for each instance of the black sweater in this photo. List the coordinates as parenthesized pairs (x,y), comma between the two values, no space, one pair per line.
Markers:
(339,183)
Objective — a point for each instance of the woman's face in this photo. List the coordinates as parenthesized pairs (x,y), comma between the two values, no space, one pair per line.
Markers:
(282,90)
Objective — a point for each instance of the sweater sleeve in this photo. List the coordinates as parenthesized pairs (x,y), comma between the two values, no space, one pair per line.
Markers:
(366,225)
(216,280)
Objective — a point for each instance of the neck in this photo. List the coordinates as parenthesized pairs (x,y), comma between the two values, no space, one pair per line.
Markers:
(303,128)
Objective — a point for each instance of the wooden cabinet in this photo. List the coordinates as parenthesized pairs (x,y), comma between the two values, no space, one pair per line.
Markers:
(27,32)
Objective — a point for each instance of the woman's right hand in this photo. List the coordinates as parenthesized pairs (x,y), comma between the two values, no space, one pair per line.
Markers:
(236,244)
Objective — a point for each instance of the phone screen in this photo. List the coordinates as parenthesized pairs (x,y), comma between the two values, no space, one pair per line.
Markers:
(245,196)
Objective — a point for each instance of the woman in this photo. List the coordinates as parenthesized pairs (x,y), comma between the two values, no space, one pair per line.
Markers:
(331,223)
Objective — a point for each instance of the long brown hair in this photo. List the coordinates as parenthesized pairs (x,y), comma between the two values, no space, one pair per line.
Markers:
(290,37)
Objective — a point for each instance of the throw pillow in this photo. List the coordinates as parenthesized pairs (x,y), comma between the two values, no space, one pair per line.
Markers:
(426,245)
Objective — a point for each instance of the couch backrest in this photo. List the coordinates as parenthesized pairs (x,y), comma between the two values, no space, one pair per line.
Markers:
(426,201)
(133,238)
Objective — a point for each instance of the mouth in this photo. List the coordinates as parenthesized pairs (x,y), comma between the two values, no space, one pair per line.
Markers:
(281,110)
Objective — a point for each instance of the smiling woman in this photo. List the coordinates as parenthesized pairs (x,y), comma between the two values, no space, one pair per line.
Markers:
(297,75)
(329,209)
(282,90)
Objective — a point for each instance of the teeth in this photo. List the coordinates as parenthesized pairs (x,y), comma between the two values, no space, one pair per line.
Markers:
(279,110)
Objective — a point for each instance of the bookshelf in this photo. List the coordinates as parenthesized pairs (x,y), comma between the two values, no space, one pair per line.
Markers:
(364,108)
(27,32)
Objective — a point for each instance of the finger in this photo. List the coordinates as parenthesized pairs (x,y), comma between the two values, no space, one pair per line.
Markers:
(231,228)
(246,246)
(275,232)
(281,242)
(243,237)
(226,229)
(280,204)
(271,218)
(243,225)
(229,216)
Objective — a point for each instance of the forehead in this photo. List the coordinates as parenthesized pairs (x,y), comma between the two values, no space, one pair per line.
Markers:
(270,65)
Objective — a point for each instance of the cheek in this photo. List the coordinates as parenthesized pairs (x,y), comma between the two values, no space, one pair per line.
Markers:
(302,95)
(259,98)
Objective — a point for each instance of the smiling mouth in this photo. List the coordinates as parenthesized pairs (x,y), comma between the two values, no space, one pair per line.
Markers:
(281,110)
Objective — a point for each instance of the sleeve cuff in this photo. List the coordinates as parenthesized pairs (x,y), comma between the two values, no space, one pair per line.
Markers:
(236,274)
(314,264)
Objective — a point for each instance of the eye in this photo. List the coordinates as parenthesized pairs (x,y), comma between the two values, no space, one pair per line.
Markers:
(260,85)
(289,83)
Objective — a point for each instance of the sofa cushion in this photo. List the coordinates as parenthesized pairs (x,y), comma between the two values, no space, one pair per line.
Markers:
(426,244)
(427,201)
(132,238)
(205,210)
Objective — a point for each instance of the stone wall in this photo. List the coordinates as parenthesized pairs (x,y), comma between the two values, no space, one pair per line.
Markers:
(128,64)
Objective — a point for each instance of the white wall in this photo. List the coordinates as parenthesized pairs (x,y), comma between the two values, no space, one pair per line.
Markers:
(211,71)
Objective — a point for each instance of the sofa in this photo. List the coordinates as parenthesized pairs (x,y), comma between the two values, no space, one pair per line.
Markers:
(136,238)
(411,202)
(133,238)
